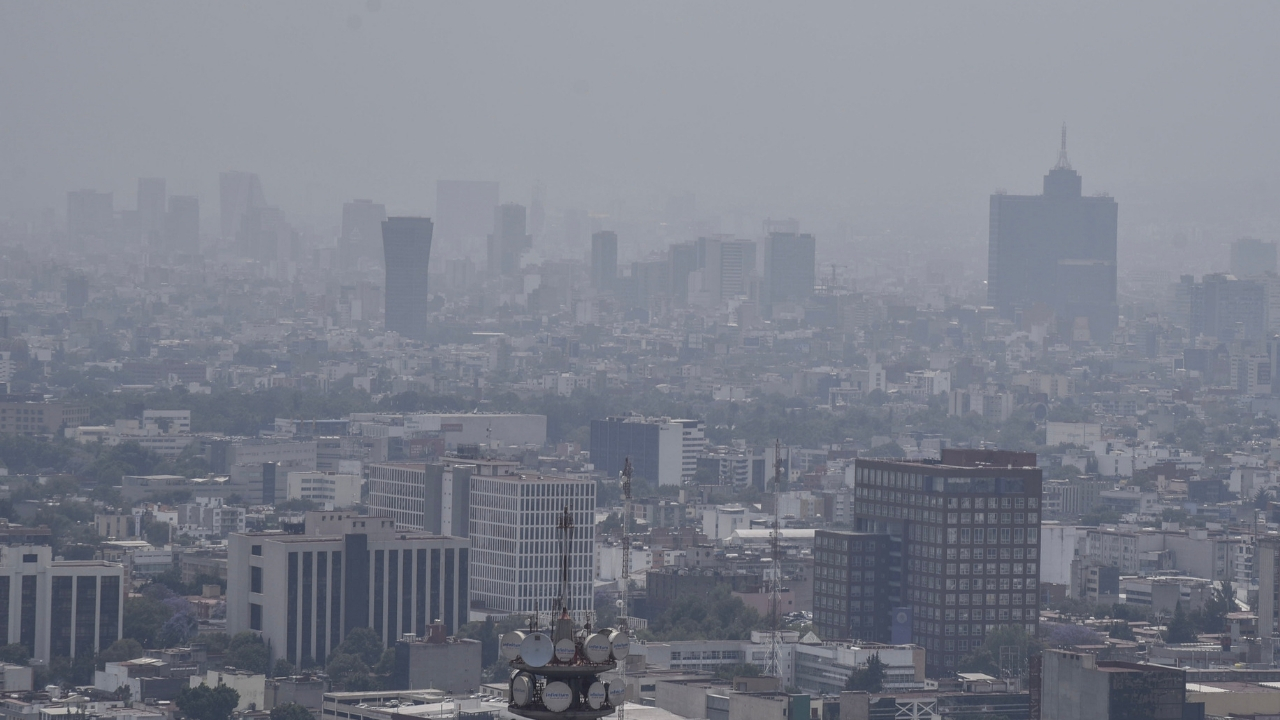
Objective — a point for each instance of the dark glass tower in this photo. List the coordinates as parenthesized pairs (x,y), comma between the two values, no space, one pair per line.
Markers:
(406,243)
(1056,250)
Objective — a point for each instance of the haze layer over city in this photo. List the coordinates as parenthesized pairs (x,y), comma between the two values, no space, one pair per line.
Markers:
(676,359)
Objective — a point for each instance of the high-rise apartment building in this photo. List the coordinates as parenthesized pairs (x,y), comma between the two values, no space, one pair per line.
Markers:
(508,241)
(406,245)
(1251,256)
(663,451)
(182,224)
(851,586)
(790,268)
(604,261)
(59,608)
(727,266)
(1225,307)
(1058,250)
(238,192)
(423,496)
(683,258)
(361,230)
(516,548)
(304,592)
(965,550)
(151,209)
(90,214)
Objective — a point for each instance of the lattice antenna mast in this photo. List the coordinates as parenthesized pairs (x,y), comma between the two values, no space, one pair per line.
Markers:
(775,596)
(565,526)
(1063,163)
(624,609)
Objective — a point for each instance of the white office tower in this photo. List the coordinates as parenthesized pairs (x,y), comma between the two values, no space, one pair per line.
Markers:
(515,547)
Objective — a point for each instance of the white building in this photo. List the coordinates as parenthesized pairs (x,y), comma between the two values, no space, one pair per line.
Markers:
(304,593)
(516,548)
(1072,433)
(59,608)
(252,688)
(492,430)
(167,422)
(333,491)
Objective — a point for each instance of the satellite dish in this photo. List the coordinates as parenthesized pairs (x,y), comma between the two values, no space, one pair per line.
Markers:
(521,689)
(536,649)
(596,695)
(557,696)
(565,650)
(510,644)
(620,644)
(617,692)
(598,646)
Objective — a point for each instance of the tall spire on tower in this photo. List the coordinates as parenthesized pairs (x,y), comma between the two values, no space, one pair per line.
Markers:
(1063,163)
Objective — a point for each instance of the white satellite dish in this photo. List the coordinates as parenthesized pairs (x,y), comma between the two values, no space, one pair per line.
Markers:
(557,696)
(510,644)
(598,646)
(596,695)
(620,645)
(617,692)
(536,649)
(521,689)
(565,650)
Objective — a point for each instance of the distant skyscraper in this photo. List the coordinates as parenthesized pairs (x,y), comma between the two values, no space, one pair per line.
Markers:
(361,230)
(182,224)
(508,241)
(89,214)
(790,268)
(151,209)
(1057,250)
(683,258)
(1250,256)
(263,234)
(464,215)
(238,193)
(727,266)
(604,260)
(406,243)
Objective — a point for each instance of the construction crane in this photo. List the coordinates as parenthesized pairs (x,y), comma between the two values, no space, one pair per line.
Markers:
(775,593)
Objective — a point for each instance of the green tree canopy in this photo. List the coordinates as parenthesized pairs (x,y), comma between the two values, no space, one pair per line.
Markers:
(14,654)
(362,642)
(986,659)
(1180,629)
(207,703)
(143,618)
(868,678)
(248,652)
(718,616)
(291,711)
(121,650)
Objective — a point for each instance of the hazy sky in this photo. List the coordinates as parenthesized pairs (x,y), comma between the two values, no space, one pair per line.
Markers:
(878,115)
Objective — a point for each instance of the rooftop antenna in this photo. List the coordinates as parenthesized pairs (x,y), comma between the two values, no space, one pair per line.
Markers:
(775,596)
(624,620)
(1063,163)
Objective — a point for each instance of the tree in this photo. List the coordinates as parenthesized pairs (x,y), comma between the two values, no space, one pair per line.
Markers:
(1179,629)
(121,650)
(729,672)
(716,616)
(291,711)
(986,659)
(868,678)
(349,673)
(207,703)
(1120,630)
(1213,619)
(246,651)
(362,642)
(143,618)
(1073,635)
(283,668)
(14,654)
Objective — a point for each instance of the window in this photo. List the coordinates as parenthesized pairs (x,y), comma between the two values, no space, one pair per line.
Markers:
(29,558)
(255,579)
(255,550)
(255,616)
